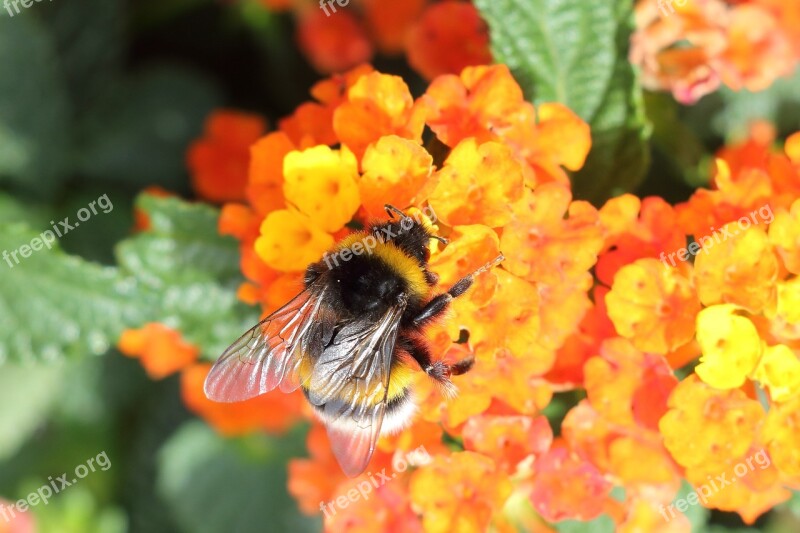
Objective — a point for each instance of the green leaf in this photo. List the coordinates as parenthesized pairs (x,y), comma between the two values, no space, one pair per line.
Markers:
(560,50)
(12,210)
(601,524)
(215,484)
(182,273)
(697,514)
(110,222)
(34,109)
(620,151)
(39,385)
(52,304)
(181,237)
(77,511)
(576,53)
(193,269)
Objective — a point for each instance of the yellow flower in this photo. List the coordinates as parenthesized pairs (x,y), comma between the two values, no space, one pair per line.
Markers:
(730,344)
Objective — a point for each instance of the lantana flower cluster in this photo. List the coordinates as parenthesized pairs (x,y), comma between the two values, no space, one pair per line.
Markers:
(584,301)
(436,37)
(693,47)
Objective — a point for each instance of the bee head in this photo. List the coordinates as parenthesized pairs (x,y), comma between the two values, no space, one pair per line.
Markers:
(407,233)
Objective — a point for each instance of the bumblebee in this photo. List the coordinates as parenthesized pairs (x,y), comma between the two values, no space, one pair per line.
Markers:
(350,338)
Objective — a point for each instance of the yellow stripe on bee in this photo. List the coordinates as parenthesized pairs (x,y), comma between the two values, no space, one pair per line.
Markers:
(400,378)
(404,266)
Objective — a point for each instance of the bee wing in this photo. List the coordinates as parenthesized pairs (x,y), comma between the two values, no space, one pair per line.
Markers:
(350,380)
(269,354)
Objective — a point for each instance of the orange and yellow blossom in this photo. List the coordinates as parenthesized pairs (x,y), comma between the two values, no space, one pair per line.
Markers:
(289,222)
(691,48)
(581,302)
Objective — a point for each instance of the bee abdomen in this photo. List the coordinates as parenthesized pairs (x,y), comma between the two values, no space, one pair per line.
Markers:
(399,413)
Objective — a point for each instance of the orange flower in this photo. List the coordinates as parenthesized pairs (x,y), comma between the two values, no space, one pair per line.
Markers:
(784,235)
(690,48)
(510,322)
(741,270)
(395,169)
(477,185)
(15,520)
(459,492)
(653,305)
(782,436)
(161,350)
(540,322)
(580,345)
(369,509)
(218,162)
(758,50)
(479,103)
(314,480)
(636,229)
(447,38)
(565,486)
(377,105)
(274,413)
(706,426)
(265,183)
(310,124)
(487,103)
(508,439)
(390,22)
(332,43)
(552,240)
(556,138)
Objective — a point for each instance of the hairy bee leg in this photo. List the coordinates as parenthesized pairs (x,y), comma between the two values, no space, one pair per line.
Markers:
(438,304)
(439,371)
(463,366)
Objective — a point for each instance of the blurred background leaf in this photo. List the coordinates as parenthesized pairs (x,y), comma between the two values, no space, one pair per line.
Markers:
(38,385)
(35,113)
(138,129)
(54,305)
(215,484)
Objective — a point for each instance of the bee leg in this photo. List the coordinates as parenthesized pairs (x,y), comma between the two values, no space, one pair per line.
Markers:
(438,304)
(439,371)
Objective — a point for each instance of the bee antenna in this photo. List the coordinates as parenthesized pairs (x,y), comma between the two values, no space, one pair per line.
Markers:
(497,260)
(440,239)
(392,210)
